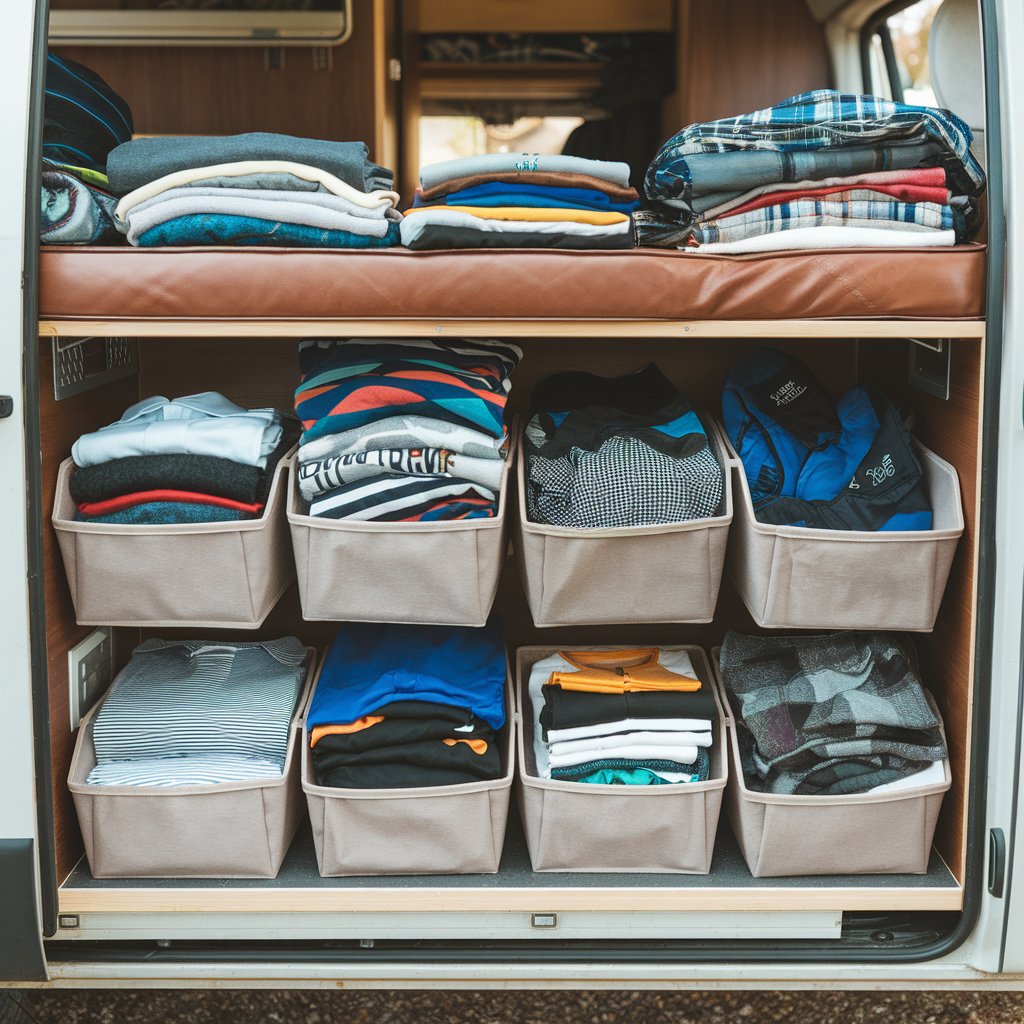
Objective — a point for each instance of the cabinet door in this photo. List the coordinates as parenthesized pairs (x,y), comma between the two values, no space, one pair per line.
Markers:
(21,955)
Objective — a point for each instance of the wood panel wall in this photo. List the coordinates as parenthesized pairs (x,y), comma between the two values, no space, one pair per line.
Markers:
(201,90)
(743,55)
(951,429)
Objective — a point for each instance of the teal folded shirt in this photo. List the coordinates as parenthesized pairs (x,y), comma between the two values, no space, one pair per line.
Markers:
(228,229)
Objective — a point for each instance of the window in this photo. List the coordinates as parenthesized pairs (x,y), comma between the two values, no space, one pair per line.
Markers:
(895,53)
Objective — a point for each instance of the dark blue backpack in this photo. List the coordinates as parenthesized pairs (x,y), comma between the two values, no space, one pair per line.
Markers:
(83,118)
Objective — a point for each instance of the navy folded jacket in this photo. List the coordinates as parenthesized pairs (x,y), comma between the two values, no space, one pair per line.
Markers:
(370,665)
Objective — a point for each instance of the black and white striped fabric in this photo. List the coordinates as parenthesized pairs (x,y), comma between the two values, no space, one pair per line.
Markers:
(197,699)
(165,772)
(398,498)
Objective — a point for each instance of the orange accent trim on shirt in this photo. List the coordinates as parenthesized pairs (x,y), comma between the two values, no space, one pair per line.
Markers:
(622,671)
(318,732)
(477,746)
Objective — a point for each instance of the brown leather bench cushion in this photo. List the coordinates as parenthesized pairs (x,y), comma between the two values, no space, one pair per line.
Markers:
(285,284)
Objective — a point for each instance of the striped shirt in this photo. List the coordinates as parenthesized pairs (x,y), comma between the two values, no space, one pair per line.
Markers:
(399,499)
(184,699)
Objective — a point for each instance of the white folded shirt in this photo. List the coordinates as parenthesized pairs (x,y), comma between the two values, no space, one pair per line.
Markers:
(597,745)
(658,752)
(828,238)
(582,732)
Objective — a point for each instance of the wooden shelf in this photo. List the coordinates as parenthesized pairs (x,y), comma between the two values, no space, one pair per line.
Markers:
(408,328)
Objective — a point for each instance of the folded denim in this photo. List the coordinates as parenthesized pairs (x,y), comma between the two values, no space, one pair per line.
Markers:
(809,124)
(144,160)
(291,211)
(501,163)
(72,212)
(245,170)
(845,237)
(227,229)
(816,213)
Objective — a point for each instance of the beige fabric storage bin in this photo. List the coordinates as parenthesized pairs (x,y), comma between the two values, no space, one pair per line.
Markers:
(214,575)
(649,574)
(435,574)
(228,830)
(853,834)
(572,826)
(792,577)
(434,830)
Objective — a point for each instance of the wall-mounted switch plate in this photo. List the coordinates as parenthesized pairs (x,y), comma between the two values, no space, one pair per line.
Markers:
(90,672)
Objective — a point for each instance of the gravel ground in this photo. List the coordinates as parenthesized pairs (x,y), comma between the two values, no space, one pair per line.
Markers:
(261,1007)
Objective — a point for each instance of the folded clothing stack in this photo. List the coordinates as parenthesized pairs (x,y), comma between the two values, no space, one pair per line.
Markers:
(815,463)
(254,189)
(825,715)
(622,451)
(819,170)
(83,120)
(522,201)
(199,712)
(621,717)
(403,431)
(401,707)
(196,459)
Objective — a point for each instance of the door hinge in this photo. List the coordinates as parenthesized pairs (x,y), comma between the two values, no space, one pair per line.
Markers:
(996,862)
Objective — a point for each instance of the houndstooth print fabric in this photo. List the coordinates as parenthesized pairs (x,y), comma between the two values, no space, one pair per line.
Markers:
(624,482)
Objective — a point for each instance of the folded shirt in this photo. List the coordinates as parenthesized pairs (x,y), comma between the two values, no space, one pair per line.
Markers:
(249,173)
(401,499)
(901,192)
(597,745)
(370,665)
(814,213)
(683,755)
(686,726)
(229,229)
(73,212)
(197,770)
(912,180)
(294,211)
(197,698)
(207,474)
(666,666)
(504,194)
(202,424)
(845,237)
(125,501)
(529,214)
(631,771)
(445,227)
(143,160)
(571,709)
(491,163)
(318,476)
(166,513)
(401,722)
(618,452)
(406,432)
(349,383)
(547,179)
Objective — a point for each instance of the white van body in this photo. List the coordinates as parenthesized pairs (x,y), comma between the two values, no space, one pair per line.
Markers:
(138,947)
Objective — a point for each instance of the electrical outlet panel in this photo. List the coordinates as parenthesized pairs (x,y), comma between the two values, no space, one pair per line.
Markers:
(90,672)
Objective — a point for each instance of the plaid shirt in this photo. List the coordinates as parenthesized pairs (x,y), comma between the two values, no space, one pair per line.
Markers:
(818,120)
(828,714)
(813,213)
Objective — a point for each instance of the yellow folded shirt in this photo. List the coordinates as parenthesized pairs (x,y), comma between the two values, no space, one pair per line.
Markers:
(531,213)
(627,671)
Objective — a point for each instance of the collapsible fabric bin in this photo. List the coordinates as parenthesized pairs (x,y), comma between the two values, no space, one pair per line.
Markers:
(850,834)
(425,831)
(227,830)
(792,577)
(573,826)
(649,574)
(434,574)
(215,575)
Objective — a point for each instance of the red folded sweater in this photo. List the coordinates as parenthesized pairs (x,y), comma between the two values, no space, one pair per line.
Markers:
(119,504)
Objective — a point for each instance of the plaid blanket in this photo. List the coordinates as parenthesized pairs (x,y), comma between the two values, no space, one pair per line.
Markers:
(813,121)
(815,213)
(840,713)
